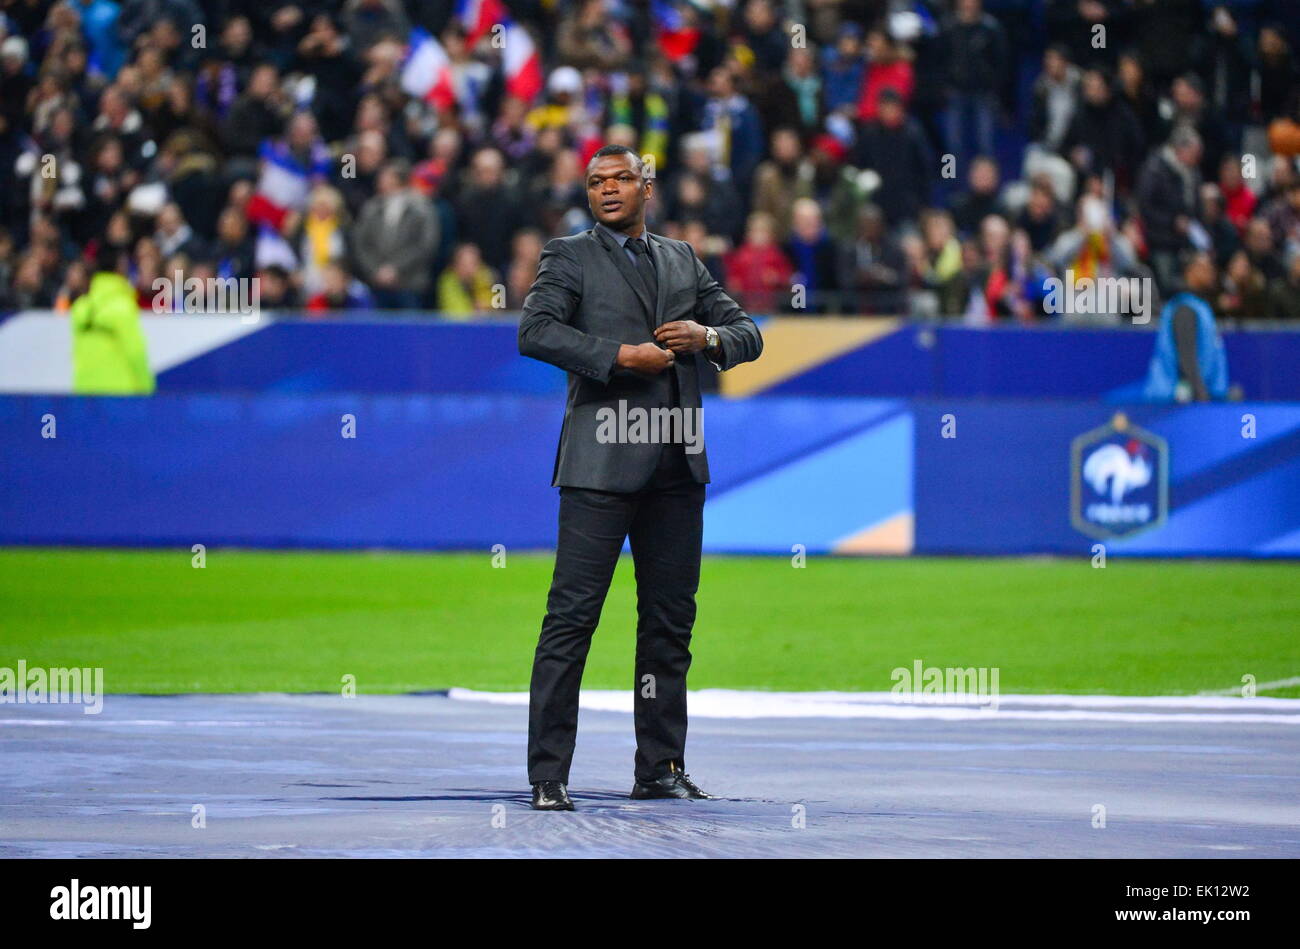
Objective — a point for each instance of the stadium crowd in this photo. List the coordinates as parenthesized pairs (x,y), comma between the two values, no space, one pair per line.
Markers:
(938,159)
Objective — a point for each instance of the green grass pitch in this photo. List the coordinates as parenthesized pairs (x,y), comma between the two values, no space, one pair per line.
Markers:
(299,622)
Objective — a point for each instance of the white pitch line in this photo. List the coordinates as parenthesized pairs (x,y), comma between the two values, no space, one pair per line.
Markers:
(727,703)
(1261,687)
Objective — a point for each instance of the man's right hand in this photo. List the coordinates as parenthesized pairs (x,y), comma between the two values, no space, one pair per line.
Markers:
(645,357)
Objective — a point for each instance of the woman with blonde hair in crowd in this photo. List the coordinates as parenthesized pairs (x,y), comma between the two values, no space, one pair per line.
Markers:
(321,237)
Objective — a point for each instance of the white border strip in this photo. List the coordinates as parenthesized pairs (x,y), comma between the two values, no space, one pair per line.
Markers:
(728,703)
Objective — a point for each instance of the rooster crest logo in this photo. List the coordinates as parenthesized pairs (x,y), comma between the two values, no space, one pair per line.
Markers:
(1119,478)
(1122,468)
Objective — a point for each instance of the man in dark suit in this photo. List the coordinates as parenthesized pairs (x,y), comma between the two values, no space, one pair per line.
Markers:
(629,315)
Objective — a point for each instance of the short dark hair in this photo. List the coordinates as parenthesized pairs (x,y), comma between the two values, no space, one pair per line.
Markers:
(108,257)
(605,151)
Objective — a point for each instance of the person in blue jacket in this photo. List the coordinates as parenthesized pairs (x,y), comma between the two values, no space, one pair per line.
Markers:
(1189,364)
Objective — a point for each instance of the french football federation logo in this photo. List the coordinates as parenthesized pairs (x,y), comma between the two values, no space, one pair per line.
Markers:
(1119,480)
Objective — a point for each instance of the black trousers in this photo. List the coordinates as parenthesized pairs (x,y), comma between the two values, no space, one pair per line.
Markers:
(664,522)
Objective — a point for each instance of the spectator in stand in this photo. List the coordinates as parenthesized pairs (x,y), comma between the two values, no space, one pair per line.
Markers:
(1104,135)
(489,209)
(466,287)
(1223,238)
(1072,25)
(782,179)
(369,152)
(395,239)
(812,253)
(368,21)
(1283,215)
(733,118)
(1167,195)
(1222,60)
(174,235)
(526,254)
(589,37)
(974,47)
(1275,72)
(289,168)
(758,274)
(233,251)
(1164,31)
(1056,98)
(329,56)
(1094,248)
(981,198)
(704,191)
(805,85)
(559,202)
(256,116)
(873,269)
(894,147)
(1040,218)
(645,110)
(321,238)
(1238,200)
(1258,242)
(887,68)
(1189,110)
(843,69)
(1136,92)
(277,291)
(338,290)
(1284,291)
(941,271)
(994,291)
(1244,295)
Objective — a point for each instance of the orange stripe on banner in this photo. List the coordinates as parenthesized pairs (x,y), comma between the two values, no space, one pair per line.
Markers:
(895,535)
(795,344)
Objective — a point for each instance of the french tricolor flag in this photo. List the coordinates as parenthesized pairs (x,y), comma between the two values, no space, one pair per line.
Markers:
(426,73)
(520,60)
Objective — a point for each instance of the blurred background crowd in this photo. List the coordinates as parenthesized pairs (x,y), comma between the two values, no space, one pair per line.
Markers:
(932,158)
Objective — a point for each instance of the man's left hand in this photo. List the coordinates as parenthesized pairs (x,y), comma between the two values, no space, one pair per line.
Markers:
(681,336)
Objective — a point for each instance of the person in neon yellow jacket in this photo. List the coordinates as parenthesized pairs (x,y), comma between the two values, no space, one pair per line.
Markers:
(108,348)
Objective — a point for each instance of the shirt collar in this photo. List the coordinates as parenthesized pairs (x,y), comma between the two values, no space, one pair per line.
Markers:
(624,238)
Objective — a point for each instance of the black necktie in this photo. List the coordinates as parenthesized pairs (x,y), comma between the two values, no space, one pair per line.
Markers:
(645,267)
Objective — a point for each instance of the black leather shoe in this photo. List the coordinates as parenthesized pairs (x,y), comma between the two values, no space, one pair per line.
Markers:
(551,796)
(673,784)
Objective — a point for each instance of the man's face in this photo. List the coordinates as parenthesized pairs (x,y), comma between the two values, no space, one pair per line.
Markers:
(1259,238)
(1094,89)
(487,170)
(616,192)
(1200,275)
(1189,155)
(1054,64)
(983,178)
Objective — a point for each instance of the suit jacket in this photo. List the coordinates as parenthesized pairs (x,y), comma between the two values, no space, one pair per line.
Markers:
(588,300)
(408,246)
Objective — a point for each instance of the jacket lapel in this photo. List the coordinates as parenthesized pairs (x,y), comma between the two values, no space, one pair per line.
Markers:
(629,273)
